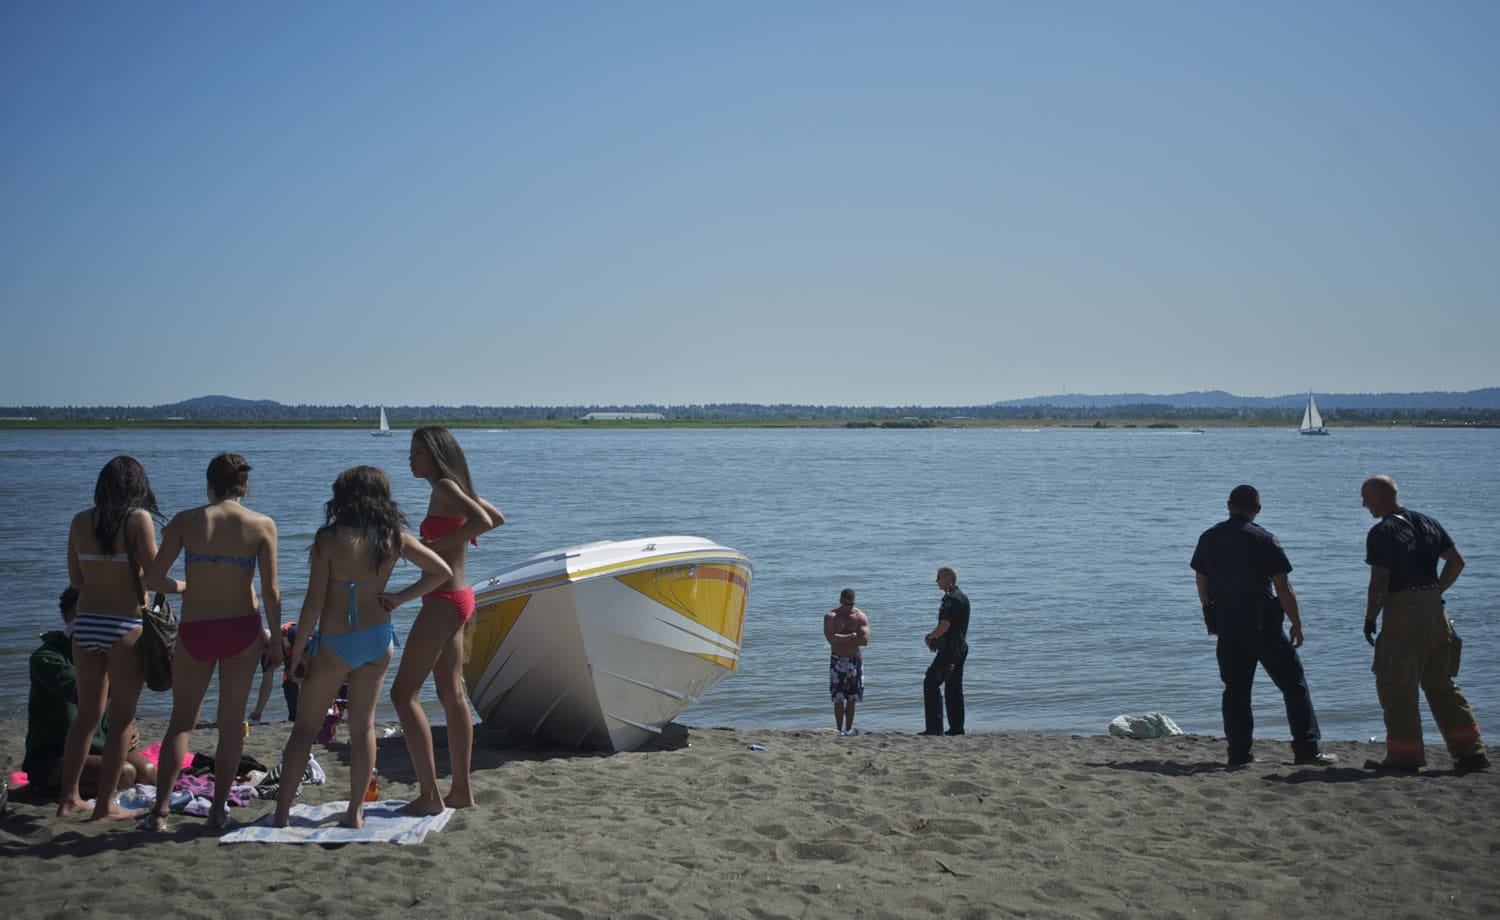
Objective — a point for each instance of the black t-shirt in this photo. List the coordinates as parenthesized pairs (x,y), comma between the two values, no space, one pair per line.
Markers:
(955,609)
(1407,544)
(1240,558)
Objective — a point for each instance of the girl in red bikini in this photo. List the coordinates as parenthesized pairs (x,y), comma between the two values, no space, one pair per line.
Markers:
(455,516)
(222,543)
(108,547)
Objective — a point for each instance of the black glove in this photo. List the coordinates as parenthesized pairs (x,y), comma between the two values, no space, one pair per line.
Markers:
(1211,619)
(1370,630)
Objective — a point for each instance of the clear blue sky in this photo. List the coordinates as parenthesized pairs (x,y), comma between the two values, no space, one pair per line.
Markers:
(681,202)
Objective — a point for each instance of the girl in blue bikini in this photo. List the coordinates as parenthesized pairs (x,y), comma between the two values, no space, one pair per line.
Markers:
(345,626)
(109,547)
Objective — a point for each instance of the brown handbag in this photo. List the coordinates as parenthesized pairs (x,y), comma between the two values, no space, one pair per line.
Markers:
(158,633)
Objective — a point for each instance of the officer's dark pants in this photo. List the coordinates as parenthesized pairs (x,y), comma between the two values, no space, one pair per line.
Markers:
(1240,650)
(946,668)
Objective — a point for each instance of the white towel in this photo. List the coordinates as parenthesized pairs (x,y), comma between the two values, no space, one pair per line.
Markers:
(319,824)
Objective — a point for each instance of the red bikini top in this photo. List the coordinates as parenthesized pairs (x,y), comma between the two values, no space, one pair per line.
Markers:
(435,527)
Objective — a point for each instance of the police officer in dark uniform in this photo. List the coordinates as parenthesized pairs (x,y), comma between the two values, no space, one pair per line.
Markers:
(1237,562)
(949,639)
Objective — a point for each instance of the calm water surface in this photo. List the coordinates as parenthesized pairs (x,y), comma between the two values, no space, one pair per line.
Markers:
(1072,545)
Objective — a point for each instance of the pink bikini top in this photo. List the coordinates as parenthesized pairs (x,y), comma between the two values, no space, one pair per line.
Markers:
(435,527)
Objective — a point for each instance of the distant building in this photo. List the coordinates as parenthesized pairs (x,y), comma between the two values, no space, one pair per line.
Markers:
(624,417)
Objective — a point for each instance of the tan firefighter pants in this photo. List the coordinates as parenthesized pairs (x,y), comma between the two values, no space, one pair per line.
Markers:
(1414,651)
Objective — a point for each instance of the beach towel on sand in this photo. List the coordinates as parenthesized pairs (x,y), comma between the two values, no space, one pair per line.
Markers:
(320,824)
(1150,725)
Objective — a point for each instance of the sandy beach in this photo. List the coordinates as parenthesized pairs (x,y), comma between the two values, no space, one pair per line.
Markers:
(883,825)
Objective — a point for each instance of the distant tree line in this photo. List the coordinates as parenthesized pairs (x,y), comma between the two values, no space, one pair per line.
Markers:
(225,410)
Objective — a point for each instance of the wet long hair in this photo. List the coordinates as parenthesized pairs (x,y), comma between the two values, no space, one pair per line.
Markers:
(362,498)
(122,487)
(229,476)
(449,458)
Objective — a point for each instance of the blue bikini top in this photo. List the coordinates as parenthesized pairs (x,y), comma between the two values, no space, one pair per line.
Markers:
(349,589)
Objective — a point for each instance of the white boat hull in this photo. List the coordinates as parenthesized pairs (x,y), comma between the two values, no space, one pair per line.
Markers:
(602,645)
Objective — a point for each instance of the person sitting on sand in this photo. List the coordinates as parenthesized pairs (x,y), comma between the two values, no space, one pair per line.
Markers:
(345,626)
(847,630)
(290,688)
(51,709)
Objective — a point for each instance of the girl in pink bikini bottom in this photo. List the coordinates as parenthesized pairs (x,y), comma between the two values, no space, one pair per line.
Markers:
(461,599)
(211,640)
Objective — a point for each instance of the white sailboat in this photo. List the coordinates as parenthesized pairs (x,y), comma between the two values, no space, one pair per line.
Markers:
(1312,420)
(384,431)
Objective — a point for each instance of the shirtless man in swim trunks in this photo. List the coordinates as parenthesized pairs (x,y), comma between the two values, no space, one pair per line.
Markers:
(847,630)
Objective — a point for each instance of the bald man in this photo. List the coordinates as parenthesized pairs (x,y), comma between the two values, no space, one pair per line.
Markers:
(1416,647)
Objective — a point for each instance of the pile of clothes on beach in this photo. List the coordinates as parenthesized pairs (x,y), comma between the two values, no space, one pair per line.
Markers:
(194,790)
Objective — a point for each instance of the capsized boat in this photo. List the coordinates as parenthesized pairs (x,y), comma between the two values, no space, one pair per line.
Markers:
(601,645)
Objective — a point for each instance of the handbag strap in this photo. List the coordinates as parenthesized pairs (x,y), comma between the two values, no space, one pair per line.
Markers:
(135,574)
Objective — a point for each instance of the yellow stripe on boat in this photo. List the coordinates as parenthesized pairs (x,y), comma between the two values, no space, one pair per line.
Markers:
(711,595)
(485,634)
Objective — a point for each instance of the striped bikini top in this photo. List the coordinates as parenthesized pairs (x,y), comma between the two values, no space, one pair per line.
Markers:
(103,557)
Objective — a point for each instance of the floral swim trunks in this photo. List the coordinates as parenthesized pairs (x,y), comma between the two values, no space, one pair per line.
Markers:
(846,678)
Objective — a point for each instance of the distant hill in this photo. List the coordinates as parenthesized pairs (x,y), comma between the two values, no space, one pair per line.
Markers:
(1485,399)
(224,402)
(1488,398)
